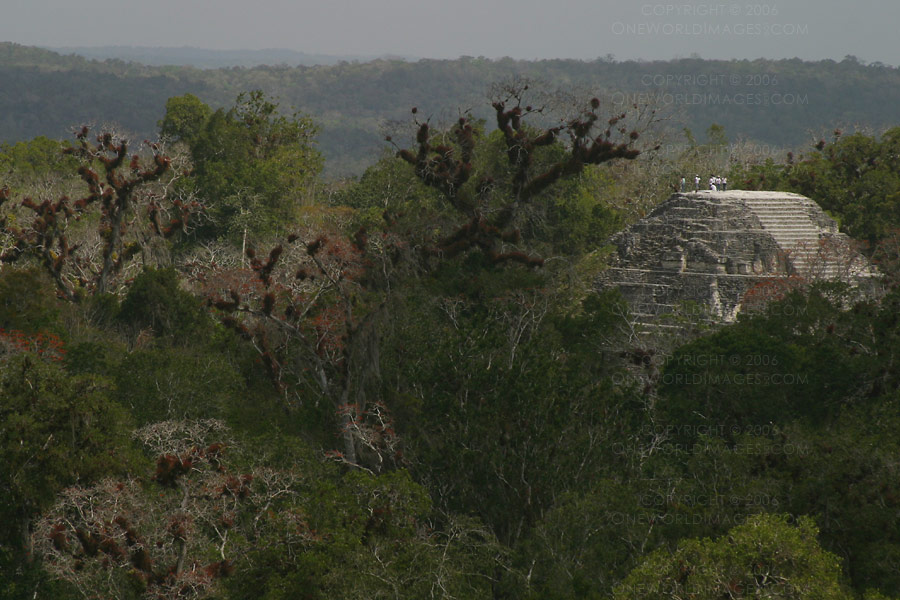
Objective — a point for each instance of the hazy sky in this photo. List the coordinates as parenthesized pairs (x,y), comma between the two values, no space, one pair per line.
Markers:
(809,29)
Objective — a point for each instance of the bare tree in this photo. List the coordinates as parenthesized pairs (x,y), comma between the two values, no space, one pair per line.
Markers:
(311,308)
(118,188)
(174,535)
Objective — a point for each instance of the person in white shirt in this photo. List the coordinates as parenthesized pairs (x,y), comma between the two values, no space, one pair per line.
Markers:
(696,183)
(724,183)
(682,185)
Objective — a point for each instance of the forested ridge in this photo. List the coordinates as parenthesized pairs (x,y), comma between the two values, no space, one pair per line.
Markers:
(223,375)
(205,58)
(781,103)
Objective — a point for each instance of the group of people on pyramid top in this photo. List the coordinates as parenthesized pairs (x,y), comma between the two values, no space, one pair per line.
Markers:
(716,183)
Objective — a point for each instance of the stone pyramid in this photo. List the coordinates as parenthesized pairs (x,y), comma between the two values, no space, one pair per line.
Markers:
(710,248)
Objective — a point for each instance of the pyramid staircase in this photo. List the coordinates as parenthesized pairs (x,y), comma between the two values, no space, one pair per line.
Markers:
(794,229)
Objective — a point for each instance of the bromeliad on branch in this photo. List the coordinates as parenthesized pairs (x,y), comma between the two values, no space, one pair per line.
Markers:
(118,189)
(311,308)
(449,168)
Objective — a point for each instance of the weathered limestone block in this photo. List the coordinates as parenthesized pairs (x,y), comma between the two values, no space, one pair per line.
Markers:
(710,248)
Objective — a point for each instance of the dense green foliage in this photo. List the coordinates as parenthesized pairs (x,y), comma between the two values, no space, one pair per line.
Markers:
(251,164)
(418,392)
(855,177)
(765,557)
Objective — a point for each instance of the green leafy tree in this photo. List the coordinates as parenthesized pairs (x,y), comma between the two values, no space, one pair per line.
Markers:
(185,118)
(37,167)
(156,303)
(810,421)
(27,301)
(377,537)
(253,166)
(501,400)
(55,430)
(773,366)
(765,557)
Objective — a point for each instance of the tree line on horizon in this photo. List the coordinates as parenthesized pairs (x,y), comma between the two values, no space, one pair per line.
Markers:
(779,103)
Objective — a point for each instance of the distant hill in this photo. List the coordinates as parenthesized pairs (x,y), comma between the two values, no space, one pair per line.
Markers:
(783,103)
(204,58)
